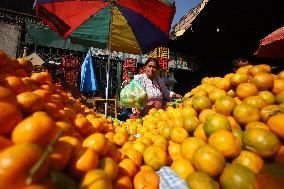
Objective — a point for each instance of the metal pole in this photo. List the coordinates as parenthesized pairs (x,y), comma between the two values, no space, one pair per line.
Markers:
(108,61)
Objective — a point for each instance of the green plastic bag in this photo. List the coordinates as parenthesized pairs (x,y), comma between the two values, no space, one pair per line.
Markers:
(133,95)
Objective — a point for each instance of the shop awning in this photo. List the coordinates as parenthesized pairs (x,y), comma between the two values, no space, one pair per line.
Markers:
(44,36)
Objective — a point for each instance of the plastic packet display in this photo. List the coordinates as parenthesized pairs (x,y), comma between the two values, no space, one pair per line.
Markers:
(133,95)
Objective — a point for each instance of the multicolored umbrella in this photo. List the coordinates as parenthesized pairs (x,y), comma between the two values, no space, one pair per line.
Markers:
(132,26)
(272,46)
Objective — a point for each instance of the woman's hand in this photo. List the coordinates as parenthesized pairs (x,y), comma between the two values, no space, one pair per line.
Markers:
(177,96)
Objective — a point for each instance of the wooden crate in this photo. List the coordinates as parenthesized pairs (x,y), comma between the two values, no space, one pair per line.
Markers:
(99,106)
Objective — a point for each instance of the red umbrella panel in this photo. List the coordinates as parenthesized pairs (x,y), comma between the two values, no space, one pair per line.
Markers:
(272,46)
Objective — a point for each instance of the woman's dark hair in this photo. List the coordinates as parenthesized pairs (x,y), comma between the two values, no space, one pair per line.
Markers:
(153,60)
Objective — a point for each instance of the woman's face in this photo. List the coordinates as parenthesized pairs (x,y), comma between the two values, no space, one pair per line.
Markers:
(151,70)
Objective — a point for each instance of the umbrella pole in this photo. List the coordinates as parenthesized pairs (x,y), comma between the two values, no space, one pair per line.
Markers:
(108,61)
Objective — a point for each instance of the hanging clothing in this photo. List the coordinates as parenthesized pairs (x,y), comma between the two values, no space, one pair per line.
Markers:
(88,77)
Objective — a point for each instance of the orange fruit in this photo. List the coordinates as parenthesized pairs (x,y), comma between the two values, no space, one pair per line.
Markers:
(231,93)
(13,62)
(278,86)
(37,186)
(233,122)
(74,142)
(155,157)
(271,176)
(139,146)
(225,105)
(123,182)
(190,123)
(160,126)
(83,126)
(237,176)
(127,167)
(5,142)
(242,111)
(46,95)
(60,155)
(26,64)
(276,125)
(15,164)
(215,122)
(30,102)
(146,179)
(267,96)
(266,67)
(15,84)
(279,157)
(6,95)
(48,87)
(188,111)
(177,122)
(209,160)
(97,142)
(263,81)
(97,124)
(127,145)
(109,166)
(134,156)
(257,124)
(281,74)
(113,153)
(68,128)
(199,133)
(187,102)
(47,76)
(224,141)
(10,116)
(204,114)
(198,179)
(200,92)
(214,94)
(279,98)
(255,101)
(245,90)
(160,141)
(189,146)
(200,103)
(178,134)
(120,138)
(39,78)
(269,111)
(174,150)
(166,131)
(145,167)
(254,70)
(52,109)
(249,160)
(84,160)
(38,128)
(182,167)
(96,179)
(223,83)
(261,141)
(238,78)
(244,70)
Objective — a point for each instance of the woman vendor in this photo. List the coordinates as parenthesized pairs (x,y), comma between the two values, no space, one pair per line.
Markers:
(158,93)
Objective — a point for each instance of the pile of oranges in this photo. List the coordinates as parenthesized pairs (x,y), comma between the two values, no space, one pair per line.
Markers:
(49,140)
(226,133)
